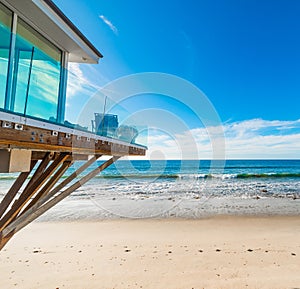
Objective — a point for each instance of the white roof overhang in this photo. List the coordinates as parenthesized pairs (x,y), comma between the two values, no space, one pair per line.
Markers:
(49,20)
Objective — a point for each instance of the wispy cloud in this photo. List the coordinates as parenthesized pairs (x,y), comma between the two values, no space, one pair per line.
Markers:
(84,83)
(80,83)
(253,139)
(109,24)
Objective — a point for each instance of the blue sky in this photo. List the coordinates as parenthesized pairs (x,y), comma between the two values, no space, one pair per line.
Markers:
(243,54)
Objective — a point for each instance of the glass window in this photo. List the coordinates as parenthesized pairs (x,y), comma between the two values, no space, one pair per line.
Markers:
(5,36)
(37,40)
(37,67)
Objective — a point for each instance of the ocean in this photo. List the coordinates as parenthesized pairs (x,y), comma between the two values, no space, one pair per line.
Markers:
(183,189)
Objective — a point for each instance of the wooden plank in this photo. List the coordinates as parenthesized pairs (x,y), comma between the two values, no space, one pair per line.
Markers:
(30,191)
(38,155)
(43,139)
(103,149)
(10,195)
(32,214)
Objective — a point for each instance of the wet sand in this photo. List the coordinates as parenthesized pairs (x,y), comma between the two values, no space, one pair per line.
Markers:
(220,252)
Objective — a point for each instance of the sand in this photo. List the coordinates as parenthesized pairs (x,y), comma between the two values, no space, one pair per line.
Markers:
(221,252)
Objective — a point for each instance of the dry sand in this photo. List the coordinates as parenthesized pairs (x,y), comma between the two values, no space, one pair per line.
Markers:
(222,252)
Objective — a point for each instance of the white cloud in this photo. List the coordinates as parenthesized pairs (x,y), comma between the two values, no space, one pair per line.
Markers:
(76,79)
(79,83)
(109,24)
(249,139)
(80,89)
(260,138)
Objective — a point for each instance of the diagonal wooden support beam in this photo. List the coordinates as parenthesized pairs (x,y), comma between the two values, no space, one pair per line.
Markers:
(31,189)
(35,212)
(5,239)
(9,197)
(68,180)
(40,169)
(49,185)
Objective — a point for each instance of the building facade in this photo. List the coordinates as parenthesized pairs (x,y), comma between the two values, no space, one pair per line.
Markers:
(36,42)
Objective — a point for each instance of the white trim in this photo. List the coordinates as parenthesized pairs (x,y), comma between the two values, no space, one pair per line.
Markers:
(54,127)
(10,69)
(62,97)
(47,11)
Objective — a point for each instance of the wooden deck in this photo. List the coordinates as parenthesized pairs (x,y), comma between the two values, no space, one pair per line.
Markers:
(62,139)
(53,150)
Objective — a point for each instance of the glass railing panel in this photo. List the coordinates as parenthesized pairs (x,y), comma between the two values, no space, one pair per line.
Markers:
(89,109)
(78,114)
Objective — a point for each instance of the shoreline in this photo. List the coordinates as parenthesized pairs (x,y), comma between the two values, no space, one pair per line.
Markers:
(241,216)
(169,207)
(214,252)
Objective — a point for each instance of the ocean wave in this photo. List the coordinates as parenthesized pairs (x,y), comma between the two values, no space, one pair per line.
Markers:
(207,176)
(201,176)
(7,178)
(138,176)
(240,176)
(269,175)
(182,176)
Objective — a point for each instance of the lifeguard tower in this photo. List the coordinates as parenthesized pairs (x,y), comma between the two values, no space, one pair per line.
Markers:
(36,43)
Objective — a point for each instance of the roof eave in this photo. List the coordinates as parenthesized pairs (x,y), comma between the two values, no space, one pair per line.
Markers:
(59,13)
(45,17)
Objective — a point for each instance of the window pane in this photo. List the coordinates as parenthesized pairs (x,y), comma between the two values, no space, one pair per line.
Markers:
(44,87)
(22,73)
(37,40)
(5,35)
(36,75)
